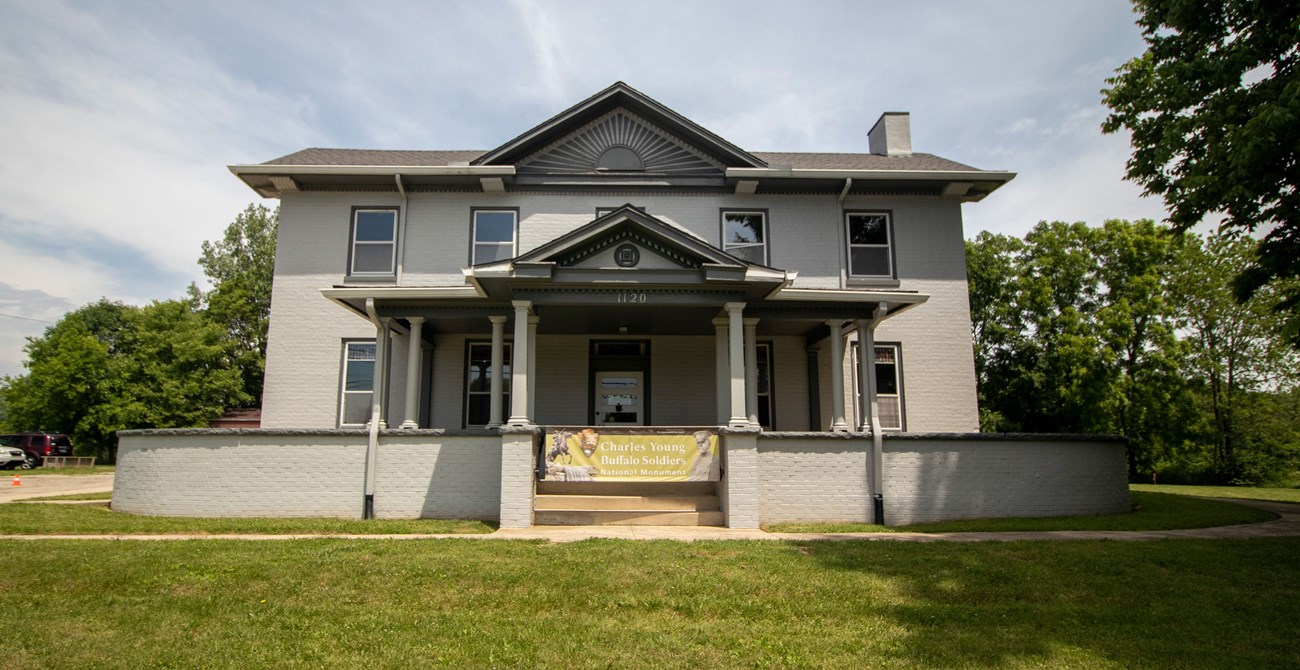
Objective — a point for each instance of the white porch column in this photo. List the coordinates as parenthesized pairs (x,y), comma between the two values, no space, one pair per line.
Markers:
(867,375)
(519,396)
(721,370)
(837,377)
(410,418)
(751,371)
(498,363)
(381,375)
(532,366)
(736,357)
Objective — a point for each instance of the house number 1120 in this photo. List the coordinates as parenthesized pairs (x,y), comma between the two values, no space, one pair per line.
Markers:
(625,296)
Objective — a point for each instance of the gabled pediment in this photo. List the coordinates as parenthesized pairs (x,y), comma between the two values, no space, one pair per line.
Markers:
(621,142)
(651,239)
(642,119)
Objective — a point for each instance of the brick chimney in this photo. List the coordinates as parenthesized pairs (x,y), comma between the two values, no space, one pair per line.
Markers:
(892,135)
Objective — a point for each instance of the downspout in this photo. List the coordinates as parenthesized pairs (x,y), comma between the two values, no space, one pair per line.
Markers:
(848,184)
(877,439)
(376,411)
(401,257)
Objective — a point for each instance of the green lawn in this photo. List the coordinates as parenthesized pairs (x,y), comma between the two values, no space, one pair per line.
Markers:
(20,519)
(1156,511)
(1243,492)
(614,604)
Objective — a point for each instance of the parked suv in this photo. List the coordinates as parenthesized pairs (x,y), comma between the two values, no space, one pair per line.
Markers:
(37,446)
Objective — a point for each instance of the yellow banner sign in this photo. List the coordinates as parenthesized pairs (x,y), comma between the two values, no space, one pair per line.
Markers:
(646,455)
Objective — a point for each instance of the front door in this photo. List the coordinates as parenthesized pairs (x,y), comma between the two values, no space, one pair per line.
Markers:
(619,399)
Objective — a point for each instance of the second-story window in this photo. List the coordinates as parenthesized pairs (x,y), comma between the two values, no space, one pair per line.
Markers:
(374,243)
(870,244)
(744,235)
(493,235)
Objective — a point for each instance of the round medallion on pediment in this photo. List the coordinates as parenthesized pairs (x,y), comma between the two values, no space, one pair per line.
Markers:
(627,256)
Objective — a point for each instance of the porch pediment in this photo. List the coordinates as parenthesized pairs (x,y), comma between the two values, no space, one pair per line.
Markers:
(653,242)
(626,247)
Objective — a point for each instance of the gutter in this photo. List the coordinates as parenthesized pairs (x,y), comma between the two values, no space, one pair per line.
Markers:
(376,411)
(877,436)
(401,258)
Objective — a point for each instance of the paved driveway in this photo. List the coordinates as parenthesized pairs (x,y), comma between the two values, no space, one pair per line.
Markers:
(39,485)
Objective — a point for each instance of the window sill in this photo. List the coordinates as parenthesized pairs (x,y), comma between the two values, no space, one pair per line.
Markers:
(880,282)
(370,279)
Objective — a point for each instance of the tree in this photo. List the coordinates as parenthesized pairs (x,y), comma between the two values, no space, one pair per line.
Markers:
(1237,355)
(239,268)
(1074,332)
(1213,107)
(108,367)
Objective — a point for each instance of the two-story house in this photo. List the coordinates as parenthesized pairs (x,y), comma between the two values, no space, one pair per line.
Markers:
(617,246)
(619,266)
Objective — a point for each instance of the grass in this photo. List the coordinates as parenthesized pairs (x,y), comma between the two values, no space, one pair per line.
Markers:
(1156,511)
(1242,492)
(23,519)
(606,603)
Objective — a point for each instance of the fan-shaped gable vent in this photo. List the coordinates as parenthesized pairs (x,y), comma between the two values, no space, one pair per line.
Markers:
(621,159)
(620,142)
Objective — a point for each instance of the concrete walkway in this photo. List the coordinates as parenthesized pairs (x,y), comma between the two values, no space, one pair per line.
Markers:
(1286,525)
(41,485)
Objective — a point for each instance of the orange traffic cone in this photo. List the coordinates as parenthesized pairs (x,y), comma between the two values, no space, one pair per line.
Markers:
(18,481)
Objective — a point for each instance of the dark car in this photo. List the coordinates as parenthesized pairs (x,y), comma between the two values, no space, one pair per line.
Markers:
(37,446)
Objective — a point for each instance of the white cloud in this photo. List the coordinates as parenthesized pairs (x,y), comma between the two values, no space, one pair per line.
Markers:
(124,136)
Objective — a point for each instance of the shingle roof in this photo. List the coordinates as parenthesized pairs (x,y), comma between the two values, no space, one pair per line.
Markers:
(318,156)
(828,161)
(799,160)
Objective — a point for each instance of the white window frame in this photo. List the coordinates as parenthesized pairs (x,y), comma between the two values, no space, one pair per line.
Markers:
(888,246)
(506,361)
(898,382)
(343,379)
(728,246)
(352,250)
(474,244)
(767,398)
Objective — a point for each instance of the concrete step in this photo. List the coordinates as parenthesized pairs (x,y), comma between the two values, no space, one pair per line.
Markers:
(584,517)
(629,488)
(707,503)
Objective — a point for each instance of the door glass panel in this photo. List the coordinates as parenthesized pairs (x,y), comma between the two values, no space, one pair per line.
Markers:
(618,400)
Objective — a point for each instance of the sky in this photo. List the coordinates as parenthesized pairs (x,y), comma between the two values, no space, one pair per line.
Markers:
(118,119)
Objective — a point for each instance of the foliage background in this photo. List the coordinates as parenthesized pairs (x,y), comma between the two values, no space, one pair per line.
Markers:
(107,366)
(1134,330)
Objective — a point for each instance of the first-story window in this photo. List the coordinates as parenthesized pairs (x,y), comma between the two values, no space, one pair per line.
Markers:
(358,383)
(494,235)
(889,387)
(374,243)
(870,244)
(744,235)
(478,383)
(765,384)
